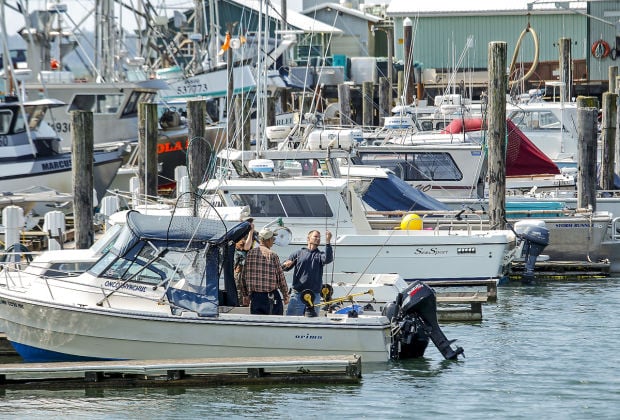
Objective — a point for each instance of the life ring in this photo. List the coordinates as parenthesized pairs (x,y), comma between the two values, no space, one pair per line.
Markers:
(600,49)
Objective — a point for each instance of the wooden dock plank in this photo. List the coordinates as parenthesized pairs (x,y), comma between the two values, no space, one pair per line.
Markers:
(182,372)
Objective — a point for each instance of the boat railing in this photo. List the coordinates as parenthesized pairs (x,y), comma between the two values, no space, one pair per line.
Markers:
(430,219)
(614,227)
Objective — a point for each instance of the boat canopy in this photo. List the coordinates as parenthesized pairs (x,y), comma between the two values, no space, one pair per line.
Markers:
(392,193)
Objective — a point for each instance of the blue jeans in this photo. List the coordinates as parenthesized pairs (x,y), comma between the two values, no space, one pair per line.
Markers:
(296,306)
(266,303)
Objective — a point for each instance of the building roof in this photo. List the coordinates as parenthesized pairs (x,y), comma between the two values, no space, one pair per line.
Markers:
(295,19)
(414,8)
(343,9)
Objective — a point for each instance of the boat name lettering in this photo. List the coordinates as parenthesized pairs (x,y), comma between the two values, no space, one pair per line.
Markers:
(59,164)
(308,337)
(423,187)
(11,304)
(62,127)
(192,86)
(430,251)
(4,141)
(129,286)
(171,147)
(573,225)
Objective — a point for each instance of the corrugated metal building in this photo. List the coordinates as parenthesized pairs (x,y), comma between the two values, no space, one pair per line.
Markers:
(441,30)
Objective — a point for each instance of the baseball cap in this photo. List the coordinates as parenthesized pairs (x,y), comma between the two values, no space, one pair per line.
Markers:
(265,234)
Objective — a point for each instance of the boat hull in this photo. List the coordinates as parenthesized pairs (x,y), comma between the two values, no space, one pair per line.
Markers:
(56,172)
(43,331)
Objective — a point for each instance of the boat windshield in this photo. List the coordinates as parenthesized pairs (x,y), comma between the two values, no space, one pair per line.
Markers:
(152,266)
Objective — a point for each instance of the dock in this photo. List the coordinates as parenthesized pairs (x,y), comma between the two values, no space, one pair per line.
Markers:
(563,270)
(337,369)
(462,300)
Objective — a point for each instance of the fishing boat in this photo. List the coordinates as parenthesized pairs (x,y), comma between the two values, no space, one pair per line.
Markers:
(31,155)
(154,294)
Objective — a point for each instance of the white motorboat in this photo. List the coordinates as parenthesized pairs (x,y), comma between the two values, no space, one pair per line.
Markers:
(335,204)
(154,294)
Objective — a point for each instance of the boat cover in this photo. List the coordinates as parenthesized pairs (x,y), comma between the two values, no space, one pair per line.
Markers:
(522,156)
(392,193)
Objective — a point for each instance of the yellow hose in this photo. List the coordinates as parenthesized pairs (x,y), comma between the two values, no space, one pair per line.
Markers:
(516,53)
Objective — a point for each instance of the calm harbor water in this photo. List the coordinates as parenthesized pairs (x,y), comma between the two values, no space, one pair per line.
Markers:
(547,351)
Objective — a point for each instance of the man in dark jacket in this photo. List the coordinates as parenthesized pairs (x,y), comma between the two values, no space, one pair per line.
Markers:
(308,274)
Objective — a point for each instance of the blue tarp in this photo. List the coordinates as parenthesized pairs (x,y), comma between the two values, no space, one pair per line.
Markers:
(392,193)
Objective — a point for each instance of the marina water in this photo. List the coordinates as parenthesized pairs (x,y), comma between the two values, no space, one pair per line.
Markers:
(545,351)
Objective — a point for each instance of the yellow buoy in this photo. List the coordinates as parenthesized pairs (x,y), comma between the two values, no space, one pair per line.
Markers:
(411,222)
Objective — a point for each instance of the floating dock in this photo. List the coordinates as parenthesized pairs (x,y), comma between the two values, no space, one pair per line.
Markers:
(461,300)
(336,369)
(563,270)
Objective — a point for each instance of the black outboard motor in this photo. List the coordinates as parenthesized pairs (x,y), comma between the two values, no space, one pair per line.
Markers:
(535,239)
(415,315)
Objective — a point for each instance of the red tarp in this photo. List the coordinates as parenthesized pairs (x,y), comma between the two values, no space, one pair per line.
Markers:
(522,156)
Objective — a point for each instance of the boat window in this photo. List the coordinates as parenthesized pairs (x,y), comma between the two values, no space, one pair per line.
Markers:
(131,108)
(20,123)
(5,121)
(67,269)
(535,120)
(284,205)
(306,205)
(145,268)
(423,166)
(83,103)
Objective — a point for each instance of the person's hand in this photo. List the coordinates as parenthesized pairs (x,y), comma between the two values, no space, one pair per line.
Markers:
(286,300)
(246,300)
(328,237)
(287,264)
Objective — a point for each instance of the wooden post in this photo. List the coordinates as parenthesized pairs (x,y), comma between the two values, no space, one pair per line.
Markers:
(230,89)
(367,104)
(409,76)
(242,109)
(82,142)
(400,86)
(617,144)
(344,99)
(608,135)
(147,147)
(587,114)
(566,89)
(198,149)
(497,135)
(384,100)
(270,119)
(613,75)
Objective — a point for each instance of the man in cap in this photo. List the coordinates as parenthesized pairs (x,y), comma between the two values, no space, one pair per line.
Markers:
(264,285)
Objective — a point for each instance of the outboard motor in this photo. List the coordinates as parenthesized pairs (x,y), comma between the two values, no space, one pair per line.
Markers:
(415,315)
(535,237)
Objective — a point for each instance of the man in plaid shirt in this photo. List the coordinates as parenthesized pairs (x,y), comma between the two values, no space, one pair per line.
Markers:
(263,282)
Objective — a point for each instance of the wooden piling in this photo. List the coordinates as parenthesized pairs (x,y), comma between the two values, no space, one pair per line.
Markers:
(82,142)
(608,135)
(367,104)
(242,109)
(613,75)
(147,146)
(198,150)
(409,75)
(566,89)
(400,87)
(230,89)
(587,114)
(497,135)
(344,99)
(384,99)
